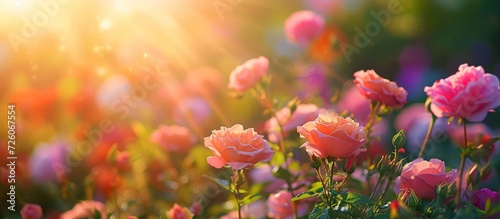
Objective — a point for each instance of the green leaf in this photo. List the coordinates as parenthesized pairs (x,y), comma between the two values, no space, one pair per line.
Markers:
(314,190)
(318,211)
(487,205)
(399,139)
(97,214)
(278,158)
(250,198)
(356,199)
(221,182)
(494,210)
(282,173)
(381,216)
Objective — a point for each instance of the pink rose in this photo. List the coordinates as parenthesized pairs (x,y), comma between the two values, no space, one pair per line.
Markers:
(85,209)
(247,75)
(173,138)
(379,89)
(280,207)
(179,212)
(331,135)
(237,148)
(31,211)
(304,113)
(423,177)
(302,27)
(468,94)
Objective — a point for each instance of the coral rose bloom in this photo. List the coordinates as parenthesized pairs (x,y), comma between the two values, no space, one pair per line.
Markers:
(423,177)
(237,147)
(468,94)
(85,209)
(247,75)
(178,212)
(303,113)
(379,89)
(303,26)
(331,135)
(280,207)
(173,138)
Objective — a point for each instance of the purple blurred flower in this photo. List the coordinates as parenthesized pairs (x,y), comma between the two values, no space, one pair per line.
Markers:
(414,120)
(48,163)
(414,62)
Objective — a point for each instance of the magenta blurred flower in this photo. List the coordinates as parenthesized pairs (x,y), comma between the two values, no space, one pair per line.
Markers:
(304,26)
(280,207)
(85,209)
(481,196)
(313,82)
(237,147)
(470,94)
(173,138)
(248,74)
(31,211)
(379,89)
(423,177)
(289,121)
(48,162)
(325,6)
(179,212)
(353,102)
(192,111)
(331,135)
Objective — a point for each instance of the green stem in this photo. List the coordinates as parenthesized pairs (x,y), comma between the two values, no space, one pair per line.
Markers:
(429,130)
(322,180)
(461,169)
(236,191)
(368,127)
(460,176)
(427,136)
